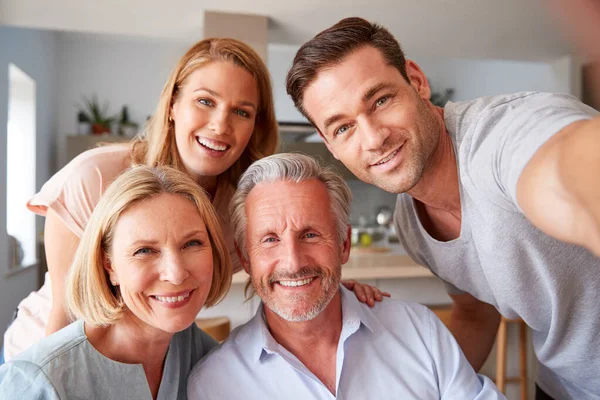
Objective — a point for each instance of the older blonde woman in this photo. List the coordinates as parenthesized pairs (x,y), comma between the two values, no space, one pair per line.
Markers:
(152,255)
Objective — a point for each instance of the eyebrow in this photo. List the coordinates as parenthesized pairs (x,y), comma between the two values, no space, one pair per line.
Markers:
(198,232)
(366,97)
(374,89)
(213,93)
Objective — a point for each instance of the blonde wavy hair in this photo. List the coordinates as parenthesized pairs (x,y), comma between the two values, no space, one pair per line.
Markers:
(89,294)
(156,145)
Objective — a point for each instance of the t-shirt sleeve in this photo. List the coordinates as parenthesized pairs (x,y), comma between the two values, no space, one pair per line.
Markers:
(451,289)
(74,191)
(456,377)
(25,380)
(509,134)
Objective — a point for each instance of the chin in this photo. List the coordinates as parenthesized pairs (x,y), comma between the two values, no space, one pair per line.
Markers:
(175,325)
(207,171)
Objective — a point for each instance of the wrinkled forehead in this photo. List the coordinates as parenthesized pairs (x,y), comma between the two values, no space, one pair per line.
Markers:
(284,205)
(157,218)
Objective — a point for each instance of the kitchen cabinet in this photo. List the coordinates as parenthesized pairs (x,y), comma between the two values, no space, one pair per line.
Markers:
(77,144)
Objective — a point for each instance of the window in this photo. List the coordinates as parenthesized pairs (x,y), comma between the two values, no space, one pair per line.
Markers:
(20,167)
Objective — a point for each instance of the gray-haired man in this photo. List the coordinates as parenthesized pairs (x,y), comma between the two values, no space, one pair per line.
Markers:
(310,339)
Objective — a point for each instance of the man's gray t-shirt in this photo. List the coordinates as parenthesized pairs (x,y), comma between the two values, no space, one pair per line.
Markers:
(500,257)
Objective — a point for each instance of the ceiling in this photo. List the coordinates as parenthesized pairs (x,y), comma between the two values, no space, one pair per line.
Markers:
(503,29)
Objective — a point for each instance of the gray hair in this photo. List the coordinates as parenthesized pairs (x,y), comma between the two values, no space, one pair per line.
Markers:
(293,167)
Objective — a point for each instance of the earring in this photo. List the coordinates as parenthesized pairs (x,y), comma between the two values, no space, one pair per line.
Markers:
(170,118)
(113,283)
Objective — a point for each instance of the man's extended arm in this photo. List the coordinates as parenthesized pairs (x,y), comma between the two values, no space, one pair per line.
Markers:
(559,189)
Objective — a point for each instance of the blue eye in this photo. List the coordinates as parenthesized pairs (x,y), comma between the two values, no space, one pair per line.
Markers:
(381,101)
(311,235)
(206,102)
(242,113)
(143,251)
(270,240)
(193,243)
(342,129)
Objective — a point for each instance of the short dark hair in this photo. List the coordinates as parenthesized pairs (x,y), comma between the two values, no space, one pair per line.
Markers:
(332,45)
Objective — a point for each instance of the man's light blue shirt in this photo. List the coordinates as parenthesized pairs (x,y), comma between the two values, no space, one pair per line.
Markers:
(395,350)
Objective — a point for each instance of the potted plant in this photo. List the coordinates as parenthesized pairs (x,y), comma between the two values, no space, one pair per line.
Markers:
(126,126)
(96,115)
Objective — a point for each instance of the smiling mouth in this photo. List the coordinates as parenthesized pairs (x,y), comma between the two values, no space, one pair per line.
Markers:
(173,299)
(388,158)
(297,283)
(211,145)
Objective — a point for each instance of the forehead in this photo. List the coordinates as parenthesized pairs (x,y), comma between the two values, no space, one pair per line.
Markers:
(158,215)
(352,77)
(225,78)
(275,205)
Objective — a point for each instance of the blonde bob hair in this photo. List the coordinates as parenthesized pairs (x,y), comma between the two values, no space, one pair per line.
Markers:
(156,145)
(90,295)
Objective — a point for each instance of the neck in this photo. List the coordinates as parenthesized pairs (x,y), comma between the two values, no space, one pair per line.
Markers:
(130,341)
(438,186)
(324,328)
(208,183)
(314,342)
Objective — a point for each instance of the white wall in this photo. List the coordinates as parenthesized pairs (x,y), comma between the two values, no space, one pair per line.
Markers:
(34,52)
(121,70)
(279,62)
(475,78)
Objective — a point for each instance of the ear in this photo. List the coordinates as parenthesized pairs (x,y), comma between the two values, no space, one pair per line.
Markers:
(328,145)
(112,275)
(171,112)
(418,80)
(243,261)
(346,245)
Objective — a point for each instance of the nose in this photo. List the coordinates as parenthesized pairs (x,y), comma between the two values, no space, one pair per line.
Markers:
(174,270)
(373,135)
(292,256)
(219,122)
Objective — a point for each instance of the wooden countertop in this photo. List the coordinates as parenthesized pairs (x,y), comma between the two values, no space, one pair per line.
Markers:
(367,266)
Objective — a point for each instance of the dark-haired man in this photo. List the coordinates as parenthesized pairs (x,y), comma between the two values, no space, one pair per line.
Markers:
(497,196)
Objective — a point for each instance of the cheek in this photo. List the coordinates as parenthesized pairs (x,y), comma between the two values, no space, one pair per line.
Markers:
(189,118)
(244,130)
(263,263)
(136,280)
(349,153)
(201,266)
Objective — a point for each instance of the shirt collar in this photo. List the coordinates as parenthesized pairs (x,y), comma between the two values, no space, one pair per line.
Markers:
(354,315)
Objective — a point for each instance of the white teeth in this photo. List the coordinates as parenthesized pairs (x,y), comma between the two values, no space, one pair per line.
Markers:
(296,283)
(173,299)
(388,158)
(210,145)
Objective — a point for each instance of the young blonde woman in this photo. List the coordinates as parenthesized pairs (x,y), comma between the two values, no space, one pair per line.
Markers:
(214,118)
(152,255)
